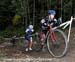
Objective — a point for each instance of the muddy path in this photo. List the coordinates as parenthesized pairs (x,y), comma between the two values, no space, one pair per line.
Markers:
(19,52)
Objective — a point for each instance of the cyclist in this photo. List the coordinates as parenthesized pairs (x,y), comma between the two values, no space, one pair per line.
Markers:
(50,19)
(28,37)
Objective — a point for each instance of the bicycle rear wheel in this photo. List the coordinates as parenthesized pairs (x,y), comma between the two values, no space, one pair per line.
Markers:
(61,46)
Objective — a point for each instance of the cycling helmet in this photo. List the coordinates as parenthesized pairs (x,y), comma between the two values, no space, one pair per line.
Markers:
(51,12)
(31,26)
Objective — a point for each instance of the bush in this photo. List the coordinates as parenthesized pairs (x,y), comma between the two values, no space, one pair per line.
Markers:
(9,32)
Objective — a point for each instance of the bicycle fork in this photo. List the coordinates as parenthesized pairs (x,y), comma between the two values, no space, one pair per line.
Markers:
(52,34)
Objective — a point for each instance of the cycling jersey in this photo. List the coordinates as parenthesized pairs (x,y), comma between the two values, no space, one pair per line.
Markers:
(28,35)
(46,21)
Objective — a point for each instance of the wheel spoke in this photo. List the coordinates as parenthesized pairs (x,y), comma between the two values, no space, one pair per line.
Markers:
(58,49)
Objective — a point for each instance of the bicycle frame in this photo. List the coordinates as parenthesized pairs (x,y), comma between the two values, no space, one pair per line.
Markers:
(65,24)
(52,34)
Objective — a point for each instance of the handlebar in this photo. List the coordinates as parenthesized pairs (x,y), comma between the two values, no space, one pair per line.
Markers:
(65,24)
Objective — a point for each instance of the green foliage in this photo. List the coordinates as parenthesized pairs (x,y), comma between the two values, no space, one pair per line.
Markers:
(13,11)
(1,39)
(9,32)
(16,19)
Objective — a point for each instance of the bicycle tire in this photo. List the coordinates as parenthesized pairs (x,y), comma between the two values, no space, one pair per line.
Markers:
(65,42)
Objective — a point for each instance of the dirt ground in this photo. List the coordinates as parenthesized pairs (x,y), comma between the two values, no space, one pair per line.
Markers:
(21,56)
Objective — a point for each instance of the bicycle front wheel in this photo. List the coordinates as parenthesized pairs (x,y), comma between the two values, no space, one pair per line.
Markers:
(61,44)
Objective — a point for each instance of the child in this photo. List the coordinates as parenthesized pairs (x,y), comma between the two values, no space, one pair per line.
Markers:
(28,37)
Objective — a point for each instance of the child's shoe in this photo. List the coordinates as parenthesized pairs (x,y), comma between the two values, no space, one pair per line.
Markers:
(30,49)
(26,49)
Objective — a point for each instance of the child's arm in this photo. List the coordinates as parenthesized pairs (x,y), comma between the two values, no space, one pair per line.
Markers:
(32,30)
(27,30)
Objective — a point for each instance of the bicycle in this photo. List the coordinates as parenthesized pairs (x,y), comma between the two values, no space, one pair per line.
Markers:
(58,36)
